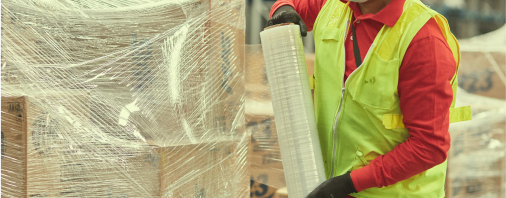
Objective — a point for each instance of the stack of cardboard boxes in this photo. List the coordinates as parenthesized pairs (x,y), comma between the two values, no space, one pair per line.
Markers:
(267,175)
(151,107)
(266,167)
(476,165)
(38,160)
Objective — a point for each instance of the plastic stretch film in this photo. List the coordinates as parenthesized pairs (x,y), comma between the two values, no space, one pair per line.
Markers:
(266,170)
(476,160)
(130,98)
(293,109)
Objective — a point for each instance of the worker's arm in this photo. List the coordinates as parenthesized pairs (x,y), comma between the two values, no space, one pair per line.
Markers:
(306,11)
(425,97)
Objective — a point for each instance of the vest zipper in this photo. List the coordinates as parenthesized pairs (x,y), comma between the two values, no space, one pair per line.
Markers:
(342,98)
(335,134)
(340,103)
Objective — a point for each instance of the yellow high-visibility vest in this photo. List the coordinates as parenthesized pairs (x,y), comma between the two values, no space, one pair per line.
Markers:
(361,119)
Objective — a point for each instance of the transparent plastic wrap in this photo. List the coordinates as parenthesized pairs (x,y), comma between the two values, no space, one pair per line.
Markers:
(483,64)
(267,173)
(476,160)
(265,157)
(476,165)
(139,98)
(293,108)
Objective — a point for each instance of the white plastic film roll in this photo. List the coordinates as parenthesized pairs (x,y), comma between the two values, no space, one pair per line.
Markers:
(293,109)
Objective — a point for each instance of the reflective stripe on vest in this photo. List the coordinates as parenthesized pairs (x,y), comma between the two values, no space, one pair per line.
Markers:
(369,121)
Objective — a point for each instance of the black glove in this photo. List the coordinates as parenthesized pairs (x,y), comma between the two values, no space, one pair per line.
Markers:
(286,14)
(336,187)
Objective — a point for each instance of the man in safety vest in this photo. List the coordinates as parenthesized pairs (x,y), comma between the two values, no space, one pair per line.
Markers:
(384,94)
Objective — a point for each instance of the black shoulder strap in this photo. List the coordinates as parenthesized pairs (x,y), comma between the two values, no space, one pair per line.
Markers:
(356,50)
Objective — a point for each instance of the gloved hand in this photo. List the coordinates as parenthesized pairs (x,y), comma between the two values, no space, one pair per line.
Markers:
(286,14)
(336,187)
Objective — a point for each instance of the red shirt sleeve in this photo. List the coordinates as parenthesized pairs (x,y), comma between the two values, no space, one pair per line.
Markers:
(307,9)
(425,96)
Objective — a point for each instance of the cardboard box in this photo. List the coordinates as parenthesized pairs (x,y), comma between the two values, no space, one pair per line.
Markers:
(260,190)
(53,121)
(200,170)
(257,84)
(227,41)
(121,172)
(462,187)
(266,169)
(482,73)
(32,129)
(281,193)
(42,154)
(210,106)
(267,173)
(13,149)
(88,169)
(476,163)
(183,66)
(265,150)
(257,87)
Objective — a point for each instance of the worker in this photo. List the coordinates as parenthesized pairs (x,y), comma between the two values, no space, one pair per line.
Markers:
(385,80)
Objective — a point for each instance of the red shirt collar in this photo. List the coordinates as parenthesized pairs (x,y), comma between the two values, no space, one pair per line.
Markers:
(388,15)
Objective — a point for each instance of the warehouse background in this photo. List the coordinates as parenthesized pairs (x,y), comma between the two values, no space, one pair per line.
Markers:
(467,18)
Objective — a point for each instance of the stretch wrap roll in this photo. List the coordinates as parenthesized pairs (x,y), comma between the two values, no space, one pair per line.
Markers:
(293,109)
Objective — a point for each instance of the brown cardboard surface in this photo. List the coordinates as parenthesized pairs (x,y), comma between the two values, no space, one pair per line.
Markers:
(257,86)
(227,40)
(43,165)
(264,153)
(264,141)
(478,75)
(199,170)
(470,188)
(54,170)
(269,176)
(281,193)
(13,151)
(266,168)
(476,163)
(260,190)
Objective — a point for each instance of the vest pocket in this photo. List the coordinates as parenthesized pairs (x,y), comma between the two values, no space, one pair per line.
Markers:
(332,34)
(375,85)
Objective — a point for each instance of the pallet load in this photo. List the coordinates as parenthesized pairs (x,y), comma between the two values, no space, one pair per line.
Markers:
(483,64)
(266,167)
(123,99)
(476,162)
(476,165)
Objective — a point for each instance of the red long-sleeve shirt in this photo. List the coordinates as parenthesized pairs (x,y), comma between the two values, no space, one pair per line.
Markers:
(424,90)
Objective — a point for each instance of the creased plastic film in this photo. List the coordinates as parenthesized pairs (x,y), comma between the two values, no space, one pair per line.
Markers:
(293,109)
(129,98)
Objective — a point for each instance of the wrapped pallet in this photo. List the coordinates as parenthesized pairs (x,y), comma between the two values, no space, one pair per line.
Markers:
(267,175)
(123,99)
(476,165)
(483,64)
(476,161)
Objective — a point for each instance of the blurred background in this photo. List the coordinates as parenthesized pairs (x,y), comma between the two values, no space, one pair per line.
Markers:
(467,18)
(476,159)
